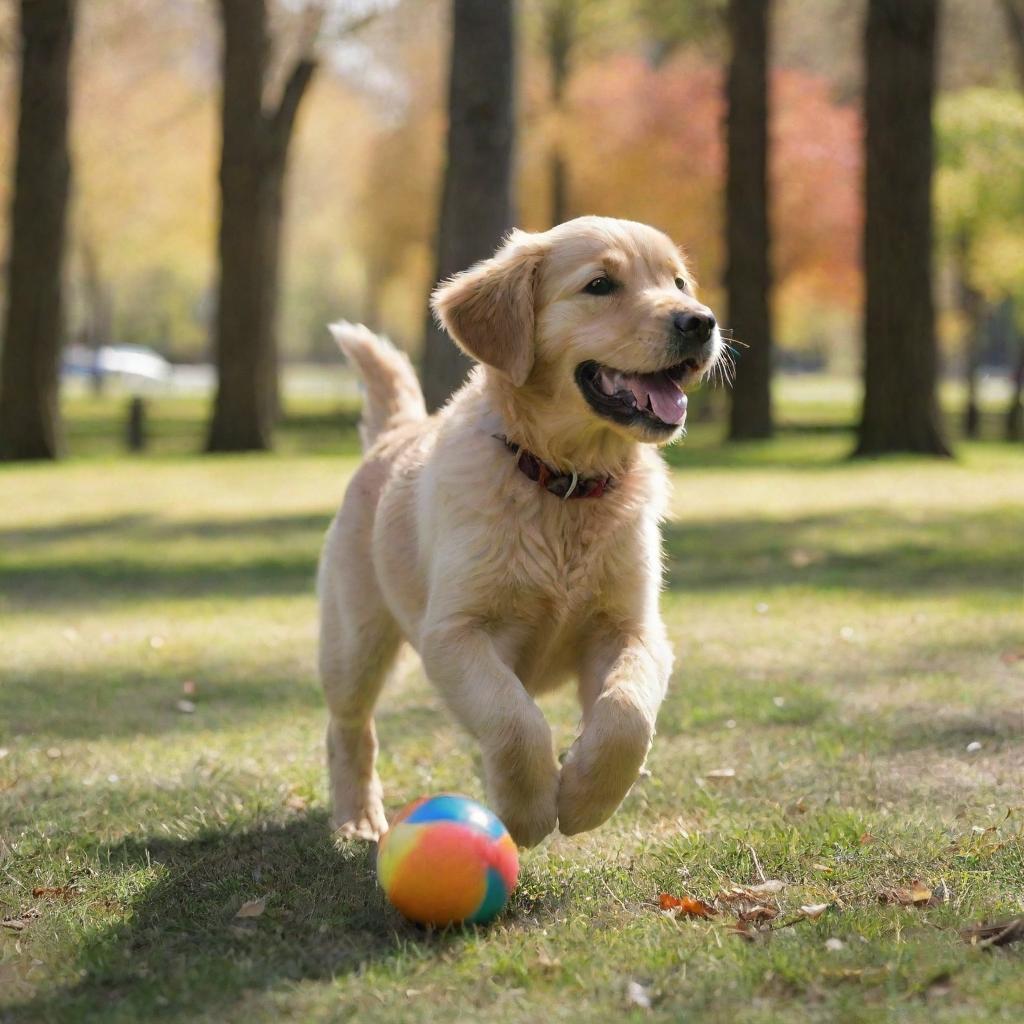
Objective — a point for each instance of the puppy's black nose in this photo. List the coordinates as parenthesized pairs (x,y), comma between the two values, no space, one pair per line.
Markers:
(693,327)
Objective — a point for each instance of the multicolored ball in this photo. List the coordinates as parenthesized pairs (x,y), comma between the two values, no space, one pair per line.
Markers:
(447,859)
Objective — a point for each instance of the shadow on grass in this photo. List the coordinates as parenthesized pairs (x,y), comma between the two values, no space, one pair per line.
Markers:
(123,700)
(182,953)
(866,549)
(139,558)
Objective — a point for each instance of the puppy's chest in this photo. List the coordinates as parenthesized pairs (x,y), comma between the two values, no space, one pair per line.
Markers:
(558,556)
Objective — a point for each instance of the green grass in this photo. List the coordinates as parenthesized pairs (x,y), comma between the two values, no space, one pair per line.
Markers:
(845,631)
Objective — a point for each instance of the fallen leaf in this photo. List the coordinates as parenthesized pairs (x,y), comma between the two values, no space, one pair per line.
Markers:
(814,910)
(296,802)
(866,839)
(999,934)
(769,887)
(686,905)
(721,773)
(638,995)
(914,895)
(834,945)
(252,908)
(53,892)
(758,914)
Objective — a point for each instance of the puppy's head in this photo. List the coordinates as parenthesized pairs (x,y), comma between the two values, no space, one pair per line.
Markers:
(596,317)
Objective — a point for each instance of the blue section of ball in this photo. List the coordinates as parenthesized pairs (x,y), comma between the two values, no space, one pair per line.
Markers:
(494,899)
(448,807)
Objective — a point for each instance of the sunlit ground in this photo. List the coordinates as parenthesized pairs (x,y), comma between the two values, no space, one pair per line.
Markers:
(851,641)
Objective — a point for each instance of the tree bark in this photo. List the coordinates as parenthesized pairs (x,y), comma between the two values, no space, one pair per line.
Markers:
(900,410)
(971,309)
(30,366)
(560,28)
(252,175)
(476,203)
(1015,409)
(748,270)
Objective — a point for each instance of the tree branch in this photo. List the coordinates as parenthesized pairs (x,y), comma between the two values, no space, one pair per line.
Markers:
(282,120)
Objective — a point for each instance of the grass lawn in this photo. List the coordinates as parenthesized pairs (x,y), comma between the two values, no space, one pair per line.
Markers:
(848,634)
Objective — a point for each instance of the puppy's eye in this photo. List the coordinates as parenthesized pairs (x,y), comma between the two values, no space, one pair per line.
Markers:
(680,284)
(600,286)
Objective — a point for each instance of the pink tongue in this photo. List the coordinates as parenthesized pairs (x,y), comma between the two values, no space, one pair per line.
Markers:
(667,401)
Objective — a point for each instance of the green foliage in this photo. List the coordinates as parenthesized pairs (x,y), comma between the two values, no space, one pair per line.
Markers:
(980,185)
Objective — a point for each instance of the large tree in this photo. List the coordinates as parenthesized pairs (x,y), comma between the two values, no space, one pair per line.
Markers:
(900,410)
(29,373)
(748,267)
(256,133)
(476,203)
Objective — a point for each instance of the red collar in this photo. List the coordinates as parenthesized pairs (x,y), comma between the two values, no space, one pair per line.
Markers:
(562,485)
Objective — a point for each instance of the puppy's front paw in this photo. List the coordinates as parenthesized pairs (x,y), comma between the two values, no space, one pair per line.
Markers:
(367,823)
(601,766)
(529,812)
(529,823)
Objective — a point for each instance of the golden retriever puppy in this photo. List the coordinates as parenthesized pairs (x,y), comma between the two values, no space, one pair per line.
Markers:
(513,537)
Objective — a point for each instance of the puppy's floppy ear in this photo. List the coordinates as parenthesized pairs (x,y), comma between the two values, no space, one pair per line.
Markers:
(489,309)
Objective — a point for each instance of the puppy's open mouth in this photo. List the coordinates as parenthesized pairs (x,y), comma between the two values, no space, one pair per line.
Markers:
(654,400)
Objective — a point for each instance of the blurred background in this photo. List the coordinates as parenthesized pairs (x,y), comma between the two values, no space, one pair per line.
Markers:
(321,131)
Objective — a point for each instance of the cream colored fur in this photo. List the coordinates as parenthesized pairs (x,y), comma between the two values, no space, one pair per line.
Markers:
(503,589)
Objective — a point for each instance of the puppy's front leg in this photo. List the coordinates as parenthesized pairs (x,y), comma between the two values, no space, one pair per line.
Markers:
(622,686)
(521,773)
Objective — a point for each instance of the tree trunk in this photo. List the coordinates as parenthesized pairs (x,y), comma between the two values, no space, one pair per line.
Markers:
(971,310)
(252,174)
(30,368)
(561,18)
(748,271)
(900,410)
(476,204)
(1015,410)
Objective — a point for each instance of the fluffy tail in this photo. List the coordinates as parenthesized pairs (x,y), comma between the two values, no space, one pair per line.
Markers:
(393,394)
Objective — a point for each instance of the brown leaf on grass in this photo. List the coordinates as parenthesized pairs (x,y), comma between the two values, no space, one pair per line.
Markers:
(252,908)
(51,892)
(686,905)
(1000,934)
(916,894)
(721,773)
(758,914)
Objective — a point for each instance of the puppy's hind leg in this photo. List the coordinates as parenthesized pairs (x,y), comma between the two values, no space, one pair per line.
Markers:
(359,644)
